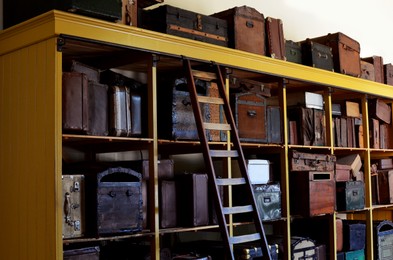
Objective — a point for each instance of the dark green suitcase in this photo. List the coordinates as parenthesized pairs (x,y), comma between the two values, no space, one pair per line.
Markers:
(293,51)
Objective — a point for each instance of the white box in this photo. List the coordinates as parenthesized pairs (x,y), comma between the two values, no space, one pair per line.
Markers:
(259,171)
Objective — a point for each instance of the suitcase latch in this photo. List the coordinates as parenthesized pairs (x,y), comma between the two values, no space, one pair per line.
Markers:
(76,187)
(199,22)
(77,225)
(249,24)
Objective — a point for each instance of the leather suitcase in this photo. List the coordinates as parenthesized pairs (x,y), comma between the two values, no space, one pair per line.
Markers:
(165,169)
(346,52)
(184,23)
(380,110)
(175,103)
(255,252)
(250,115)
(367,70)
(301,161)
(246,29)
(268,199)
(319,128)
(312,193)
(383,186)
(351,109)
(339,235)
(293,51)
(377,62)
(192,198)
(337,132)
(274,128)
(384,163)
(305,99)
(351,138)
(115,201)
(354,235)
(352,160)
(374,188)
(168,204)
(350,195)
(344,132)
(74,206)
(317,55)
(355,255)
(107,10)
(244,85)
(390,179)
(125,112)
(293,136)
(275,47)
(384,136)
(388,74)
(374,133)
(343,173)
(87,253)
(383,240)
(92,73)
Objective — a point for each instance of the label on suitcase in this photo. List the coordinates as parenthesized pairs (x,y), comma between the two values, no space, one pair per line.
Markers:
(246,29)
(74,205)
(275,38)
(184,23)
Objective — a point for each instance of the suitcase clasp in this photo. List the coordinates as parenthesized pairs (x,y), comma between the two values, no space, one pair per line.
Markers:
(250,24)
(76,187)
(251,113)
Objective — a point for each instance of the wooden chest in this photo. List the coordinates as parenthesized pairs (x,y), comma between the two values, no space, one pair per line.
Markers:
(184,23)
(246,28)
(346,52)
(250,115)
(312,193)
(383,240)
(301,161)
(268,199)
(117,204)
(73,205)
(350,195)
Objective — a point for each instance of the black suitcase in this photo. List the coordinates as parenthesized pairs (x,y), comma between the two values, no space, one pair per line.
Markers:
(14,14)
(350,195)
(293,51)
(175,21)
(268,199)
(317,55)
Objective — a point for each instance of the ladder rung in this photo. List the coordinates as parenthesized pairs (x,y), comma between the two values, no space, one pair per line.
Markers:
(224,153)
(231,181)
(217,126)
(244,238)
(204,75)
(237,209)
(211,100)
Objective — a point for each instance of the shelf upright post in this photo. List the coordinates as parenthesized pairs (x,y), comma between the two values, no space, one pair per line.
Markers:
(153,158)
(282,92)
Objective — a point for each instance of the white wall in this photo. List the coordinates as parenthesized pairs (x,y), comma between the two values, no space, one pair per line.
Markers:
(368,22)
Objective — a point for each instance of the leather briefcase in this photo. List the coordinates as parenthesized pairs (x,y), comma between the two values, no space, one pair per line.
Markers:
(275,38)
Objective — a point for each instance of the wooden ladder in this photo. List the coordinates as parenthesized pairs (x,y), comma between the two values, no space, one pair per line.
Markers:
(234,154)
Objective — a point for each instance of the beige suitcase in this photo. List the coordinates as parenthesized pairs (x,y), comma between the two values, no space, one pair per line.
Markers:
(73,205)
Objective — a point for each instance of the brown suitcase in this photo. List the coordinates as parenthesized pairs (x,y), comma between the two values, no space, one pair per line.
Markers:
(168,204)
(74,206)
(293,137)
(346,52)
(301,161)
(192,198)
(88,253)
(388,74)
(367,70)
(380,110)
(374,133)
(244,85)
(275,46)
(319,127)
(377,62)
(246,29)
(343,172)
(384,136)
(312,193)
(250,115)
(337,132)
(384,164)
(339,235)
(383,186)
(184,23)
(91,73)
(344,131)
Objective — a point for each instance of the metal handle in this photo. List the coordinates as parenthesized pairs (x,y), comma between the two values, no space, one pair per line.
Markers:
(292,52)
(251,113)
(199,22)
(250,24)
(67,207)
(112,194)
(129,193)
(323,56)
(355,193)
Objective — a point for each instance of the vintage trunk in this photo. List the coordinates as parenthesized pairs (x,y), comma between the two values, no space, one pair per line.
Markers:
(74,205)
(301,161)
(354,235)
(367,70)
(244,85)
(250,115)
(107,10)
(246,28)
(346,52)
(293,51)
(374,133)
(268,199)
(255,252)
(168,203)
(342,173)
(383,240)
(355,255)
(388,74)
(274,128)
(339,235)
(118,201)
(383,186)
(319,127)
(175,21)
(165,169)
(125,112)
(275,46)
(192,198)
(305,99)
(91,73)
(312,193)
(317,55)
(380,110)
(175,103)
(87,253)
(352,160)
(302,248)
(377,62)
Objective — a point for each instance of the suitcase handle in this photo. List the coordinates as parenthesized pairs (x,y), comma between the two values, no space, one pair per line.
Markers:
(67,207)
(112,194)
(323,56)
(251,113)
(250,24)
